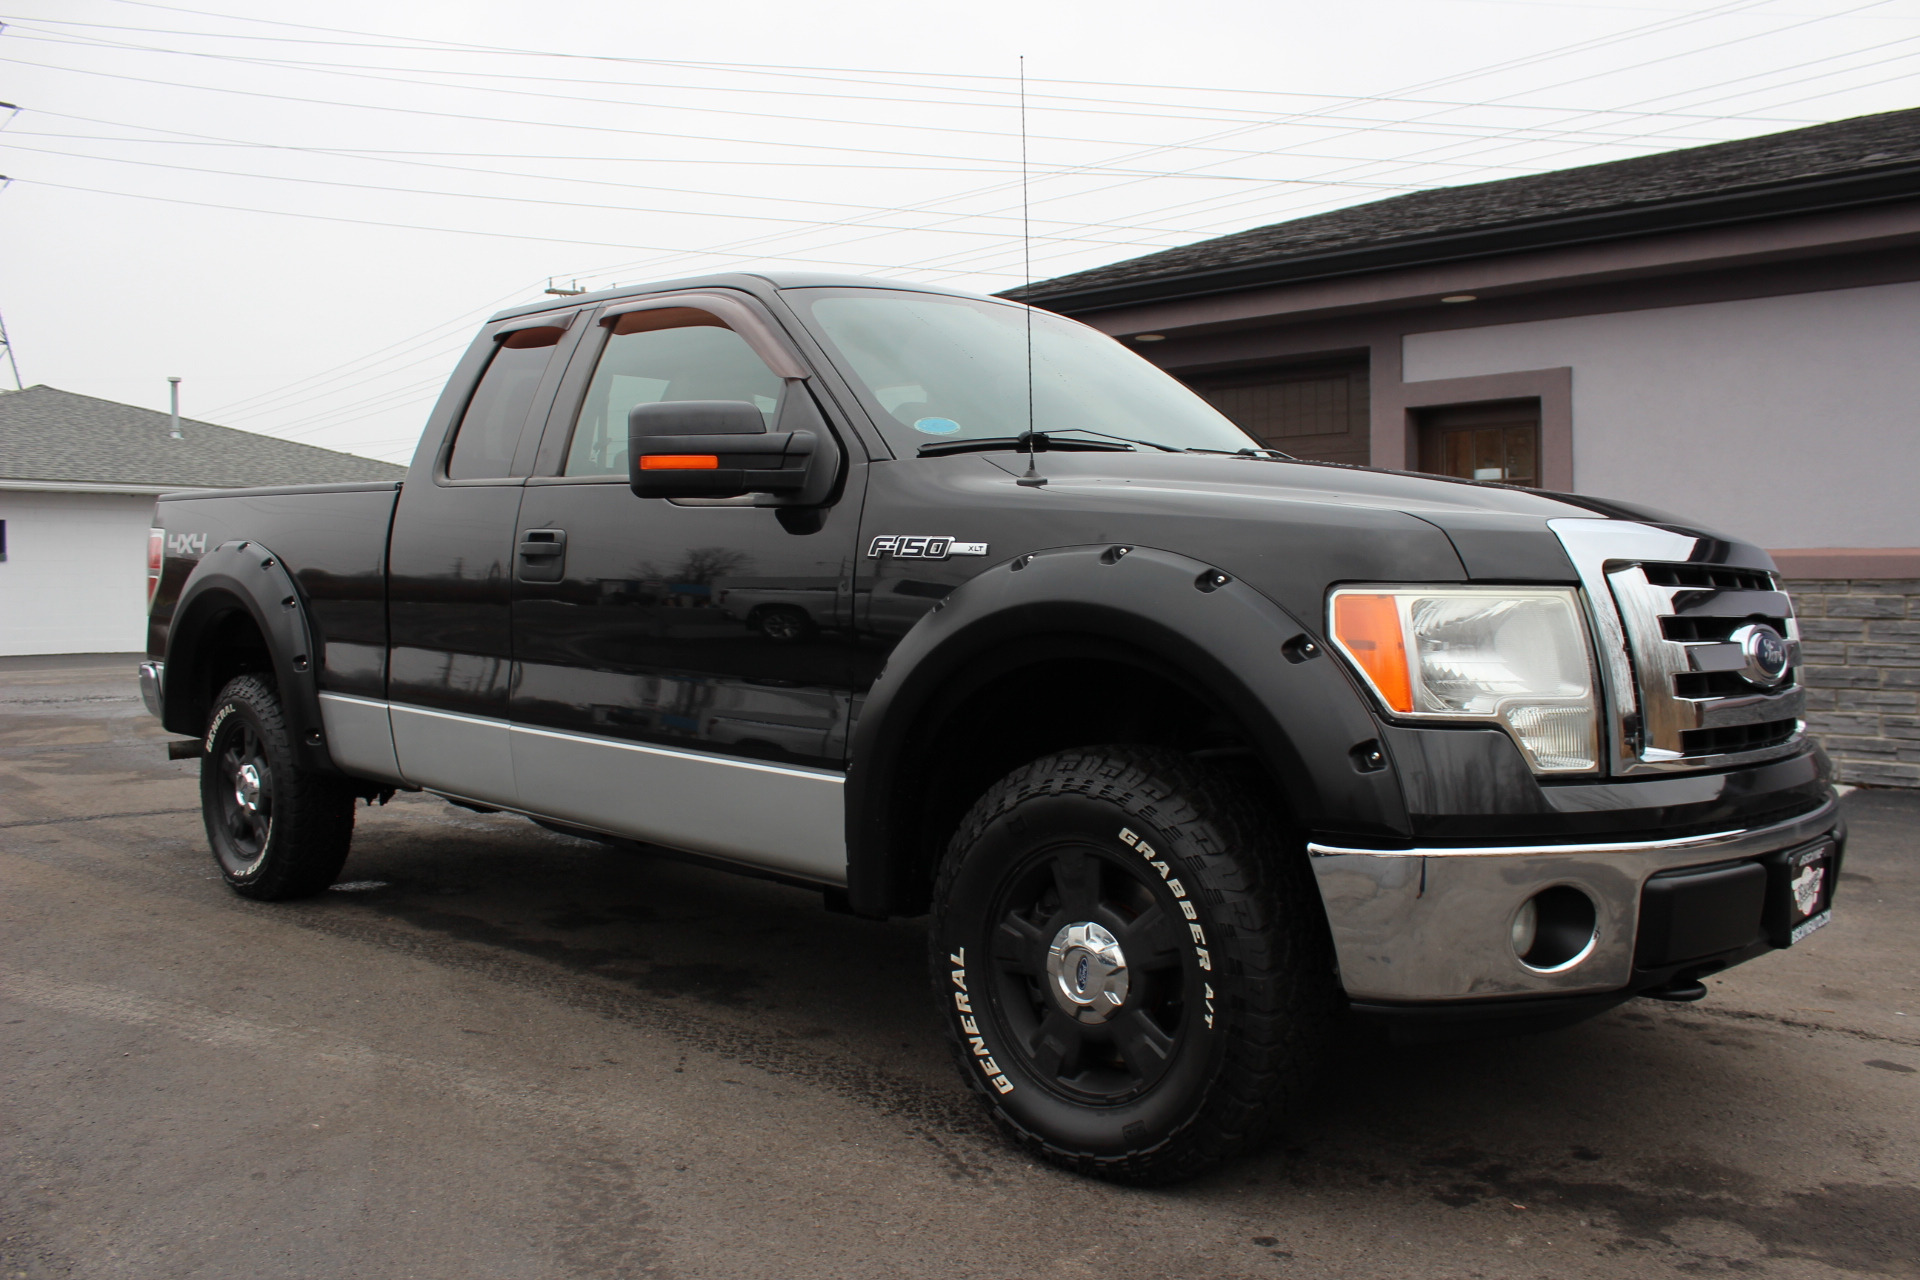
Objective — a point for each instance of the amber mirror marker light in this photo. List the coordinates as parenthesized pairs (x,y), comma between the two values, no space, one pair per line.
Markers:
(680,462)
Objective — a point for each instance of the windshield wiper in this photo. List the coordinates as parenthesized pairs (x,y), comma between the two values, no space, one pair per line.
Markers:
(1031,441)
(1151,444)
(1267,454)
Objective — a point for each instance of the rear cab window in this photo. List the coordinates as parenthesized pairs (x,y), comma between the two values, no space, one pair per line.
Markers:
(496,415)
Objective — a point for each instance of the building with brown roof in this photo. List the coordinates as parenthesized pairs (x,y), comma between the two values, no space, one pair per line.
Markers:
(78,476)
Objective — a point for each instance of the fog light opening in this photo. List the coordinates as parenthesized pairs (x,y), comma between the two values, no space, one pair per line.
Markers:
(1555,929)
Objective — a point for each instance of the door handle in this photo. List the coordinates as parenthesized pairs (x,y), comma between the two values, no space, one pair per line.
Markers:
(538,543)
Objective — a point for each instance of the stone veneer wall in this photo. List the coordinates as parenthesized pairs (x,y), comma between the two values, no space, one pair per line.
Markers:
(1860,641)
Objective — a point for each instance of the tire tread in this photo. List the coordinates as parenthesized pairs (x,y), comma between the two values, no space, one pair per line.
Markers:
(1265,909)
(312,811)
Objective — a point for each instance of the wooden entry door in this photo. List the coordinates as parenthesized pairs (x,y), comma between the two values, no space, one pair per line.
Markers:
(1496,441)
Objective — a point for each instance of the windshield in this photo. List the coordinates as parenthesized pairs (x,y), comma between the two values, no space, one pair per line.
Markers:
(935,368)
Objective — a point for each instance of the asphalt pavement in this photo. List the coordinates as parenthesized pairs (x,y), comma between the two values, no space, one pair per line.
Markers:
(492,1051)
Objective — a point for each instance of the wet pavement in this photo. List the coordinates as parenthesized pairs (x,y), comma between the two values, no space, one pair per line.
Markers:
(492,1051)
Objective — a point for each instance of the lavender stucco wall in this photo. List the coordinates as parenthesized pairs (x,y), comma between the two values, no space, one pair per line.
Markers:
(1792,421)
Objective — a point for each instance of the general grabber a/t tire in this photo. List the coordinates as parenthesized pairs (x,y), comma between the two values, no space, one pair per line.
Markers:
(1133,962)
(278,831)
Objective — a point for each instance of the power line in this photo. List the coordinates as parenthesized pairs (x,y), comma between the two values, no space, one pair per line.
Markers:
(963,263)
(527,200)
(414,226)
(767,70)
(1667,23)
(1730,6)
(1298,118)
(365,71)
(1087,169)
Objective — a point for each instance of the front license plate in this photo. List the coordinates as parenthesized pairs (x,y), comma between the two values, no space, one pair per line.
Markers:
(1810,888)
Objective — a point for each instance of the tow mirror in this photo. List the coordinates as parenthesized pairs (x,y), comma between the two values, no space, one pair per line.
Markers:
(722,449)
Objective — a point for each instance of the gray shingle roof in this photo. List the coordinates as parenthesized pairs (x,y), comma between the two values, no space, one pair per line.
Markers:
(52,435)
(1812,157)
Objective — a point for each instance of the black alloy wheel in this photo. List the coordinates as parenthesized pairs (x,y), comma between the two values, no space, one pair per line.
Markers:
(244,805)
(1133,962)
(278,830)
(1087,1028)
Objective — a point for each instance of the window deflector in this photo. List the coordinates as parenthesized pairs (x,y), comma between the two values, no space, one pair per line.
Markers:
(769,345)
(540,320)
(560,336)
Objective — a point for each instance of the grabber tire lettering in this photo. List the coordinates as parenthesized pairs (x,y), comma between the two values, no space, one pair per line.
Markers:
(1132,961)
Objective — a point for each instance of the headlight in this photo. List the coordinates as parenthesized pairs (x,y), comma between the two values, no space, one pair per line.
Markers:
(1515,656)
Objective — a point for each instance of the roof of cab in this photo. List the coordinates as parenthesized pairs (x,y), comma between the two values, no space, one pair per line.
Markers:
(750,281)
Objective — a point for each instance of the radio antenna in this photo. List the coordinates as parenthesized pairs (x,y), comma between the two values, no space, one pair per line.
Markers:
(1032,479)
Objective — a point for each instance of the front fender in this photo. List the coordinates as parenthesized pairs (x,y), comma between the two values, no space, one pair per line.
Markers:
(1302,712)
(248,578)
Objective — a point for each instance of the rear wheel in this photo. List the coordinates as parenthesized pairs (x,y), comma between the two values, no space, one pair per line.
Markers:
(277,830)
(1133,962)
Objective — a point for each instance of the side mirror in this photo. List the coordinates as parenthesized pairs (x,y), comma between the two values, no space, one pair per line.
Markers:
(722,449)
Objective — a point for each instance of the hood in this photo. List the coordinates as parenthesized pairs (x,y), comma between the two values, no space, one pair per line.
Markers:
(1498,531)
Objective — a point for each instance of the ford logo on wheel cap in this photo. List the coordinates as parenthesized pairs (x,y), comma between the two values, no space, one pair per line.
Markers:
(1766,652)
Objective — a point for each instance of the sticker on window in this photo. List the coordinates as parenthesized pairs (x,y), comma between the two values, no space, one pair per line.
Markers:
(937,426)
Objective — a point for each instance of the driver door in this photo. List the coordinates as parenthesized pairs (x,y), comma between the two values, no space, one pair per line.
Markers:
(683,669)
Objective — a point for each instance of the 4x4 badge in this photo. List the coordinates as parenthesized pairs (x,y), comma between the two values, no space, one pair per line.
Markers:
(922,546)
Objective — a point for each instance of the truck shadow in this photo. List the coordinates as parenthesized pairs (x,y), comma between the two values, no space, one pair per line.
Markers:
(1656,1128)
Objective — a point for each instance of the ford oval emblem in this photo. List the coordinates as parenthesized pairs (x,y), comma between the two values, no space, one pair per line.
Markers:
(1766,653)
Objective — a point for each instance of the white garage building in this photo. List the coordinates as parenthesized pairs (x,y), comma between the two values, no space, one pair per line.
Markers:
(78,477)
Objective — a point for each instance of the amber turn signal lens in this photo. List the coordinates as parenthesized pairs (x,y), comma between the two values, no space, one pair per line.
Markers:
(1369,628)
(679,462)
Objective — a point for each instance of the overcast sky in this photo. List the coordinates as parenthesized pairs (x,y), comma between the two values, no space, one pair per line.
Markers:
(304,210)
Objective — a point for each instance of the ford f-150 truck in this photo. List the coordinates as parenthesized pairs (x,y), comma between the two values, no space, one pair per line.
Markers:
(948,607)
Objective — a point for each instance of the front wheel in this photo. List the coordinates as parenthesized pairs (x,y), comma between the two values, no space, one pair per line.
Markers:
(784,624)
(277,830)
(1133,963)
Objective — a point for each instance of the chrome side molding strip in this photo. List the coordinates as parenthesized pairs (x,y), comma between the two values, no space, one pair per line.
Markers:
(1684,844)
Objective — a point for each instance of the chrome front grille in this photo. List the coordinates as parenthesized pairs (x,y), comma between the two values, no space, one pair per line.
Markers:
(1696,700)
(1669,609)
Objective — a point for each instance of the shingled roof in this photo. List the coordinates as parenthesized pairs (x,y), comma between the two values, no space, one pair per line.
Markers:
(53,436)
(1862,160)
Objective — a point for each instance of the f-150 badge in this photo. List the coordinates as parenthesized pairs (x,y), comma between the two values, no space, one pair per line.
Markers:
(919,546)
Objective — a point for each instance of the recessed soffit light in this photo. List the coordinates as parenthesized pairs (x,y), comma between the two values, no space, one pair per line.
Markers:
(1461,297)
(1149,337)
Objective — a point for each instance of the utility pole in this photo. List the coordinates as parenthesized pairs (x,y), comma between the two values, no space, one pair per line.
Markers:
(173,389)
(7,346)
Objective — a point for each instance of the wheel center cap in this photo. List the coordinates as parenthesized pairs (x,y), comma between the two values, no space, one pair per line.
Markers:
(1087,972)
(246,787)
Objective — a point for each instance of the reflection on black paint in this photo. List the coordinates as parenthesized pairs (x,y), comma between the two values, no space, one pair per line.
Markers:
(656,632)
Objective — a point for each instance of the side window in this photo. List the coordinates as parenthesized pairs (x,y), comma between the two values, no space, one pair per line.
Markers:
(490,430)
(667,353)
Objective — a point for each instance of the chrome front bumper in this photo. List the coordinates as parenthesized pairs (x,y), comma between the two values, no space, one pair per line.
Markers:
(153,685)
(1435,924)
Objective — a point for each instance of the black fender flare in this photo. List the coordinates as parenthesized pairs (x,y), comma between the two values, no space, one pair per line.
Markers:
(249,577)
(1303,711)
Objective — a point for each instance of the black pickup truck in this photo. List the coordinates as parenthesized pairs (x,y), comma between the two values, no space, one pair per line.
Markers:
(948,607)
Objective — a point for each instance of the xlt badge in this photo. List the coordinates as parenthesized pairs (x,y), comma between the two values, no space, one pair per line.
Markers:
(922,546)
